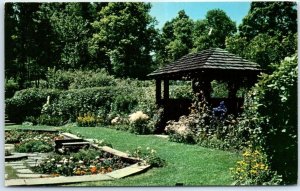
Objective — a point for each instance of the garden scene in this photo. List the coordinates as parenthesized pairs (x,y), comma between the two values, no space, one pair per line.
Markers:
(96,94)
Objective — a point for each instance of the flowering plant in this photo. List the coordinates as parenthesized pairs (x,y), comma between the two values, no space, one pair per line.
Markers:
(254,170)
(149,155)
(84,162)
(138,123)
(87,120)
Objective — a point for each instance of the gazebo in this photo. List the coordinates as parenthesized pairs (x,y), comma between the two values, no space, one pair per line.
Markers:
(202,68)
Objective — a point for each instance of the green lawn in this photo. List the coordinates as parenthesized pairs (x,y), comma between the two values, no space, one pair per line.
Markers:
(191,165)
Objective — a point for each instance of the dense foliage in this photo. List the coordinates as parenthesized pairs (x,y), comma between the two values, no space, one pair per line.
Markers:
(28,102)
(274,24)
(274,122)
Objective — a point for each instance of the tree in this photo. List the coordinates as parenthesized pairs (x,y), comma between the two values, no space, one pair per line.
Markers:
(71,30)
(267,34)
(213,30)
(272,18)
(21,40)
(175,39)
(124,38)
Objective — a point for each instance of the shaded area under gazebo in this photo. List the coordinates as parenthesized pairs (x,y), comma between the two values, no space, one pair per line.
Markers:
(202,68)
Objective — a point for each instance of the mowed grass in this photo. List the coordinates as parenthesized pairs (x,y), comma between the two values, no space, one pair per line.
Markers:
(190,165)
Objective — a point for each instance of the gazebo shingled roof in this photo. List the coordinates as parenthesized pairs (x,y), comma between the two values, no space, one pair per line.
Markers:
(214,58)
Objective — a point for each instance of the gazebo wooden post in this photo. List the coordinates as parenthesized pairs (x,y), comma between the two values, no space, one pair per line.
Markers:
(158,91)
(233,86)
(166,89)
(232,89)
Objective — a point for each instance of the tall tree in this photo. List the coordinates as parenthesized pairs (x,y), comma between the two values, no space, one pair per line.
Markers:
(267,34)
(176,38)
(213,30)
(271,18)
(22,47)
(71,31)
(124,38)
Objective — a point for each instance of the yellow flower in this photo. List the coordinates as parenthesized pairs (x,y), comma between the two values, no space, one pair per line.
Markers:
(253,172)
(246,154)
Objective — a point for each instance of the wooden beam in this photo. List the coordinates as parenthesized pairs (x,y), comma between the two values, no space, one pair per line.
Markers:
(158,91)
(166,89)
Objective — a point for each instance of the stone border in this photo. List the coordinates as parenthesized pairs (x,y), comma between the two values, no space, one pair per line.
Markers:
(117,174)
(138,167)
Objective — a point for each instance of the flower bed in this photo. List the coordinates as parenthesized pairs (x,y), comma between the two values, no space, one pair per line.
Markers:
(84,162)
(32,141)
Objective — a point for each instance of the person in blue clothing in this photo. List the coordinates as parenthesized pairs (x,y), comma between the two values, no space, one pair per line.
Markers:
(220,111)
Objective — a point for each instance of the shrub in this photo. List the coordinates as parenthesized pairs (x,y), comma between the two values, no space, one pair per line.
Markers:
(180,90)
(72,103)
(11,86)
(149,155)
(50,120)
(138,123)
(59,79)
(34,146)
(87,120)
(254,169)
(271,115)
(219,89)
(181,131)
(79,79)
(27,102)
(201,127)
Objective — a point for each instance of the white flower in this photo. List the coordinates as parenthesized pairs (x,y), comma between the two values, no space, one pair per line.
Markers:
(139,115)
(80,162)
(115,120)
(52,159)
(58,165)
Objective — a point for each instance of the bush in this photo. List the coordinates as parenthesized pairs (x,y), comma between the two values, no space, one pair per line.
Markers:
(87,120)
(201,127)
(138,123)
(271,115)
(99,101)
(34,146)
(149,155)
(181,131)
(28,102)
(50,120)
(11,86)
(79,79)
(180,90)
(254,169)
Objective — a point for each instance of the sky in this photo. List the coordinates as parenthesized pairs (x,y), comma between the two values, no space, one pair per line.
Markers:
(166,11)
